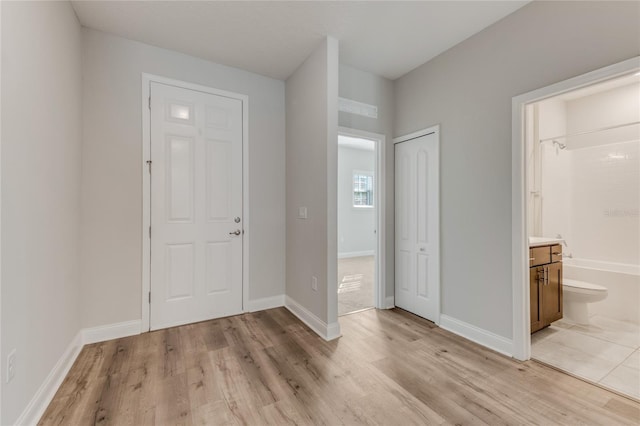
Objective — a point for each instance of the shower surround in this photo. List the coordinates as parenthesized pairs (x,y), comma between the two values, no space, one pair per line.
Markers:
(589,191)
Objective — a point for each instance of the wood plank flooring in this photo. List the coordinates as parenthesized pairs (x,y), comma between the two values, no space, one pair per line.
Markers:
(355,284)
(267,368)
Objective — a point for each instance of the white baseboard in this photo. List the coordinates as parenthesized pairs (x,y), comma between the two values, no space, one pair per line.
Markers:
(356,254)
(333,331)
(321,328)
(43,397)
(40,401)
(478,335)
(265,303)
(390,302)
(110,331)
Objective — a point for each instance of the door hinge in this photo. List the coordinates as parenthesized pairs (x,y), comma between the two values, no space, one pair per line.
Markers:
(149,297)
(149,162)
(149,232)
(149,102)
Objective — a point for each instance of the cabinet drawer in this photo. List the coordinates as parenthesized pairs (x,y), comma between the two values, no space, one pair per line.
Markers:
(539,255)
(556,253)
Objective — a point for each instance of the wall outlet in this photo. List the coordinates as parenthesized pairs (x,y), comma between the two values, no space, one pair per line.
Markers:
(11,365)
(314,284)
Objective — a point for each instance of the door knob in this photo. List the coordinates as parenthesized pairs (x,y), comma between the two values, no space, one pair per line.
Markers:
(236,232)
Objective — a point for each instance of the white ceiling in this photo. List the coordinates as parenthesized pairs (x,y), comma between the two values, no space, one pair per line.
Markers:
(356,143)
(272,38)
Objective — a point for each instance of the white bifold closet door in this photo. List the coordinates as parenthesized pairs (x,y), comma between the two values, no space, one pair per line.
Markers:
(196,206)
(417,251)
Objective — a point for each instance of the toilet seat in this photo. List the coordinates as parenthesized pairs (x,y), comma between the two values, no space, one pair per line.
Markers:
(582,286)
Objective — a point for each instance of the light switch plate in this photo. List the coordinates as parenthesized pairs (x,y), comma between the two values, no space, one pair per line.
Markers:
(11,366)
(302,212)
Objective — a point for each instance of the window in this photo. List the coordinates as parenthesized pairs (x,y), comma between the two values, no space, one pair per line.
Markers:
(363,189)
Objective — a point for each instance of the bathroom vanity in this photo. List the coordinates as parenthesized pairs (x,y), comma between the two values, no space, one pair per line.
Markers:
(545,275)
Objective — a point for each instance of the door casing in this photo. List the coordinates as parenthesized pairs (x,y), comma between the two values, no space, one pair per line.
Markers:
(147,79)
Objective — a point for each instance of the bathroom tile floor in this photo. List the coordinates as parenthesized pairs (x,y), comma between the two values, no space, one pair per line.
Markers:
(606,352)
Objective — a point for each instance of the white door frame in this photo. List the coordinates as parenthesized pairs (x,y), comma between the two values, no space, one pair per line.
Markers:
(1,375)
(424,132)
(379,173)
(147,79)
(519,184)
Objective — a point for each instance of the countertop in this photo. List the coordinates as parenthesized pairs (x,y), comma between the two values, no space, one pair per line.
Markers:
(544,241)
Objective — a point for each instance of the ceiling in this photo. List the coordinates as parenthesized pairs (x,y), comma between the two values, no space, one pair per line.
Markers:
(272,38)
(356,143)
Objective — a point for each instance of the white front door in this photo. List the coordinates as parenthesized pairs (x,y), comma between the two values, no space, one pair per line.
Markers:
(417,263)
(196,206)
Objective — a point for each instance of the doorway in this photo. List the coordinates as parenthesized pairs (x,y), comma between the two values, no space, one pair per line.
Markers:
(359,221)
(194,203)
(583,199)
(526,212)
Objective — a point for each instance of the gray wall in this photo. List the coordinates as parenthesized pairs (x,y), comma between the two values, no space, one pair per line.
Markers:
(112,171)
(356,225)
(468,91)
(369,88)
(311,158)
(41,125)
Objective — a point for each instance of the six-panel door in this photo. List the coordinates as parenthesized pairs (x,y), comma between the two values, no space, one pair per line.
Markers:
(196,206)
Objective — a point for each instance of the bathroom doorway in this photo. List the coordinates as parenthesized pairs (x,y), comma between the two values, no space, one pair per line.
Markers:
(580,147)
(358,205)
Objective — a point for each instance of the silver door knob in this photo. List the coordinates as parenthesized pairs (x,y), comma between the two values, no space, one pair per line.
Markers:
(236,232)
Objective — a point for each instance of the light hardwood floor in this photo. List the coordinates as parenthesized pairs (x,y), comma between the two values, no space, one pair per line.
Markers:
(389,368)
(355,284)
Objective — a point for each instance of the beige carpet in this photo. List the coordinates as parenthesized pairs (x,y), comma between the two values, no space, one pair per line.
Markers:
(355,284)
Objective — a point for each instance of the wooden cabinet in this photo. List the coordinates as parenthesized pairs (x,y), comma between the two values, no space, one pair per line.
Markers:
(536,314)
(539,256)
(545,277)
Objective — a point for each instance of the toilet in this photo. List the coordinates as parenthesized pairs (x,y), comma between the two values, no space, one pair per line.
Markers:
(576,296)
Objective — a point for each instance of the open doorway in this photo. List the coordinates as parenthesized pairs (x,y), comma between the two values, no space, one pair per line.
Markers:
(358,218)
(576,173)
(583,202)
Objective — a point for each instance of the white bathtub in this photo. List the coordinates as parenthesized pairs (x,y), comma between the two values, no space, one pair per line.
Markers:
(622,281)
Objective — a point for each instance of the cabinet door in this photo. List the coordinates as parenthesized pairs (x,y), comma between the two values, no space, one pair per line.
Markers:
(535,296)
(552,294)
